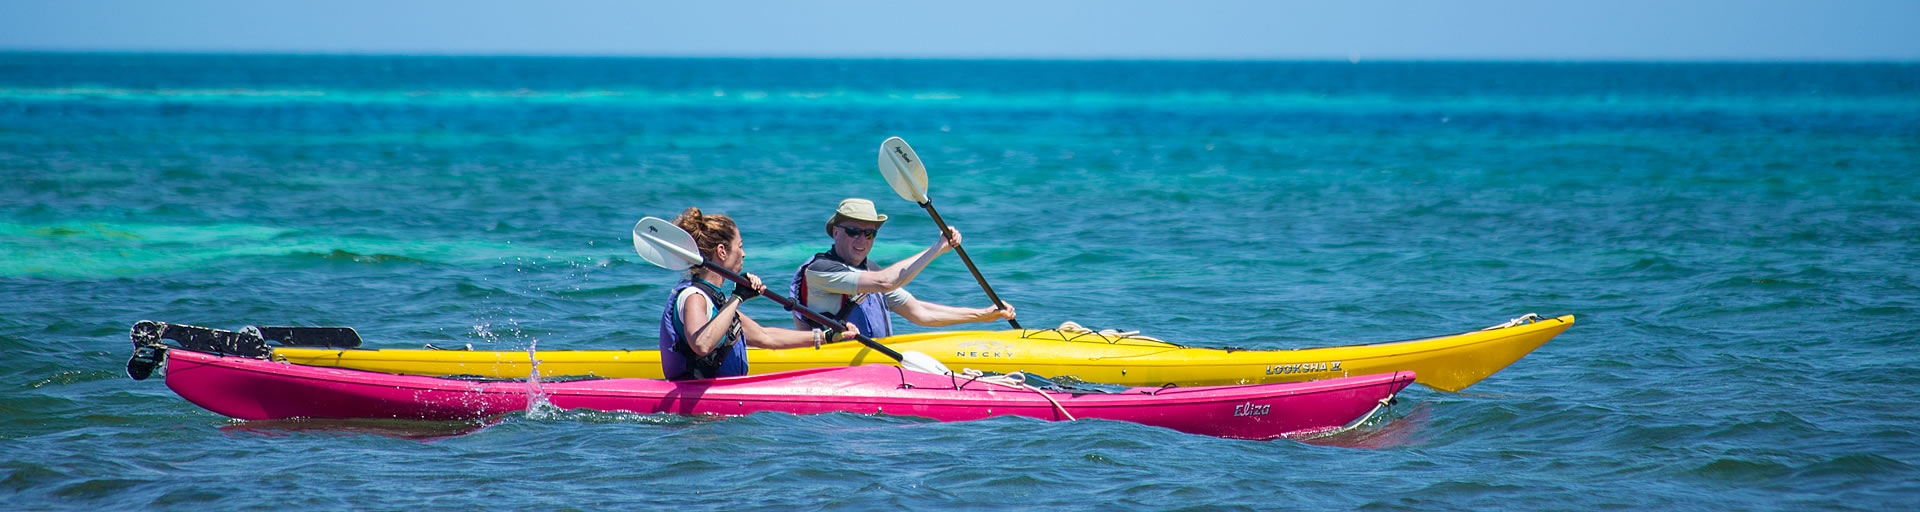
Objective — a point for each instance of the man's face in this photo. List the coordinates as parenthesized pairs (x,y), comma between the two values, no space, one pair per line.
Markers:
(854,248)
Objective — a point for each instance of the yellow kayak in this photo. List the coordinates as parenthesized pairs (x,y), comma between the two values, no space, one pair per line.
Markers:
(1446,363)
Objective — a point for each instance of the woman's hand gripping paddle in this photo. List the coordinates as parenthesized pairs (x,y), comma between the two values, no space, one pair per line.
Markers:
(908,177)
(666,245)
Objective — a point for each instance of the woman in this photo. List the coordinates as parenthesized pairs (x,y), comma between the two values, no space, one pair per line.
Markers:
(699,342)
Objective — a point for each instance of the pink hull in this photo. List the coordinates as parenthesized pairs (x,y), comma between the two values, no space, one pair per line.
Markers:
(252,389)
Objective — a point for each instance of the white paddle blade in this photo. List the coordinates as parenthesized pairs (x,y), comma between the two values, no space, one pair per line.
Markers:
(903,170)
(920,362)
(664,244)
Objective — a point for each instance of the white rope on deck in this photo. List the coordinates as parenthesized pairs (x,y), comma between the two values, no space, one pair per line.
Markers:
(1017,380)
(1072,327)
(1521,320)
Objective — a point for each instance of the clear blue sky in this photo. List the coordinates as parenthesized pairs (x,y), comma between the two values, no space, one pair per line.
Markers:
(1198,29)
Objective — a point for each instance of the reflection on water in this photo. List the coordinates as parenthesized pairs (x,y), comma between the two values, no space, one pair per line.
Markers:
(1394,428)
(423,431)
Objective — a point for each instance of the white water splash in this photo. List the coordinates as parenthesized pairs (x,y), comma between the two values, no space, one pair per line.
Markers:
(484,330)
(538,407)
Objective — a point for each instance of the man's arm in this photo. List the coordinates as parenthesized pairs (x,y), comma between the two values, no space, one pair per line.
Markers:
(900,273)
(925,313)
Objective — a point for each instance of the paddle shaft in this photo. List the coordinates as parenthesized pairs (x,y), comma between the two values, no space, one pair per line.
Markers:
(808,313)
(969,261)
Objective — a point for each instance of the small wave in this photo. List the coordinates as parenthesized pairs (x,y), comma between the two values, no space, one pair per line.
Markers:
(1737,470)
(28,475)
(1655,265)
(1457,491)
(1858,464)
(1883,311)
(470,290)
(1759,283)
(612,291)
(1778,425)
(97,488)
(1088,258)
(344,255)
(69,377)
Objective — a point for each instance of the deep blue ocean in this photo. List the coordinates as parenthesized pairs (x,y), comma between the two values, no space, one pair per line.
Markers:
(1739,240)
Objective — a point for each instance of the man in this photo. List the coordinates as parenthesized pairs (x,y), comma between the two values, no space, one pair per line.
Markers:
(844,285)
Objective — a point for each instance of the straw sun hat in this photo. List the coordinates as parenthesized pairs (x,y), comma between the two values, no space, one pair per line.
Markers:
(854,209)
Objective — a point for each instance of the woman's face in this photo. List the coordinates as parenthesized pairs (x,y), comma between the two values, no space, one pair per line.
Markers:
(735,256)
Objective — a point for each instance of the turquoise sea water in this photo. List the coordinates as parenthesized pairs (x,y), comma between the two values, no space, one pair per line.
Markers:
(1738,240)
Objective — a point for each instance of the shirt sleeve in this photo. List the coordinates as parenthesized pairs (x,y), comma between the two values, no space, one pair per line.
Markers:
(680,302)
(898,297)
(842,282)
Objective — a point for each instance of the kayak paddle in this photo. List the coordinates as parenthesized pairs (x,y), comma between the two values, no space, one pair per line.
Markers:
(666,245)
(908,177)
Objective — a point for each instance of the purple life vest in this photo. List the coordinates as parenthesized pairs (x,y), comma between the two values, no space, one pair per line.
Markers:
(677,359)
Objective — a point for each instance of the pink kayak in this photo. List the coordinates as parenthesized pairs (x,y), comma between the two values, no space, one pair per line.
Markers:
(254,389)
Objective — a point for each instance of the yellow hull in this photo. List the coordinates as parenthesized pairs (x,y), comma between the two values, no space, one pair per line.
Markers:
(1447,363)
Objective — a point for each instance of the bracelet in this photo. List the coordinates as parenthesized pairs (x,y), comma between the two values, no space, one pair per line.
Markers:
(817,335)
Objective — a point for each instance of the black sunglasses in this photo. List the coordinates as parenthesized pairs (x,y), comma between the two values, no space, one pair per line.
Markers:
(861,233)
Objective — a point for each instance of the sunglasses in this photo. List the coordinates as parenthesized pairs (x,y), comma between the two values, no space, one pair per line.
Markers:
(861,233)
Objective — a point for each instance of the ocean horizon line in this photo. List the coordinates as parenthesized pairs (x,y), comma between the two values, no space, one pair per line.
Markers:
(1304,59)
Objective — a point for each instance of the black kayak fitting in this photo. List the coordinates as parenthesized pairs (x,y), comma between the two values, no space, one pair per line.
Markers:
(149,347)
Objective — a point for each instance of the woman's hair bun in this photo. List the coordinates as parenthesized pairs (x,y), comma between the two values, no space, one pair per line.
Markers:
(709,231)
